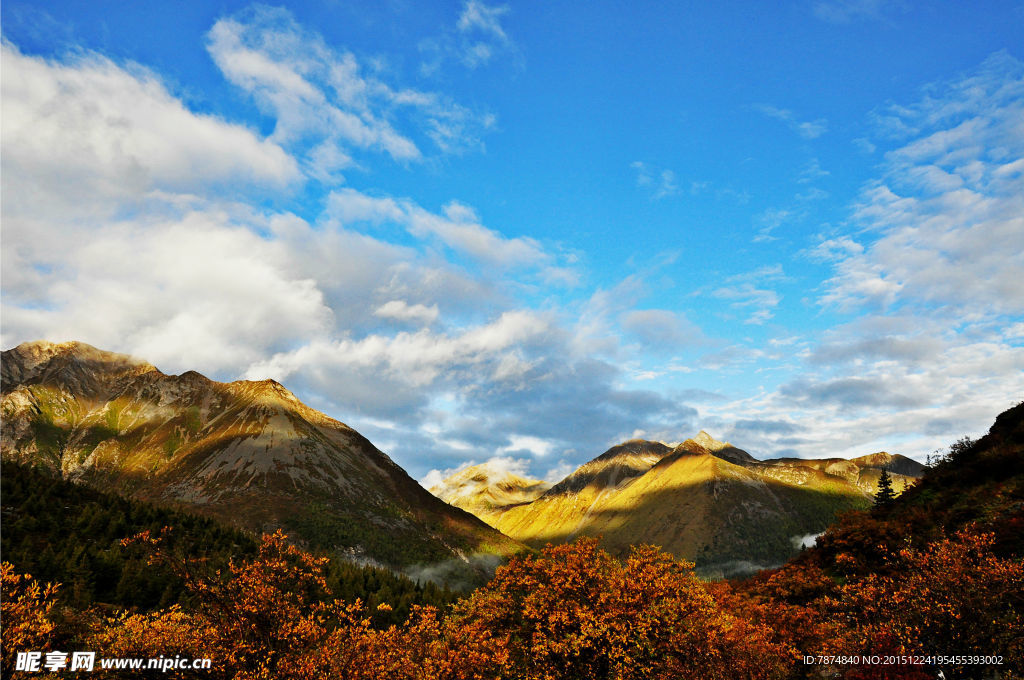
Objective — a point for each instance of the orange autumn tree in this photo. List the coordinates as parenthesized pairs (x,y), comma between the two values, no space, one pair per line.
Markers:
(576,612)
(274,617)
(269,617)
(953,597)
(25,615)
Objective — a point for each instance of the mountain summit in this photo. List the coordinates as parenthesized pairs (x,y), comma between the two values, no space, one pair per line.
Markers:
(248,452)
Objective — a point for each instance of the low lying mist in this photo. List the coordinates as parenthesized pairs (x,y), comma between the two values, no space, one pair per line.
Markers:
(461,574)
(805,541)
(732,569)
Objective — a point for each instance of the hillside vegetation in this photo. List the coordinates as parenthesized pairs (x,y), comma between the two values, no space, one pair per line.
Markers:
(66,533)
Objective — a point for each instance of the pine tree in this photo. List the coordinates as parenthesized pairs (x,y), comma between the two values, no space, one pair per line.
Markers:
(885,494)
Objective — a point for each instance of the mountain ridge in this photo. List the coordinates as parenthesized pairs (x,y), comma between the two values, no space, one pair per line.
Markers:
(703,500)
(249,452)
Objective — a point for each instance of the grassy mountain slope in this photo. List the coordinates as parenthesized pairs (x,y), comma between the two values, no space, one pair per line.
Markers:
(703,500)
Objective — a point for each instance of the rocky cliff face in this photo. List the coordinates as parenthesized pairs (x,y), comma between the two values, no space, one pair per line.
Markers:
(247,452)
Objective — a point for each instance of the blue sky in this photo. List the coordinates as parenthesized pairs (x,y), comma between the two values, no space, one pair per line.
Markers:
(477,230)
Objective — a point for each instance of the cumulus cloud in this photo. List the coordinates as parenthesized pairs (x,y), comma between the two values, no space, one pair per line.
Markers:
(496,467)
(192,292)
(403,311)
(907,349)
(410,322)
(87,135)
(417,339)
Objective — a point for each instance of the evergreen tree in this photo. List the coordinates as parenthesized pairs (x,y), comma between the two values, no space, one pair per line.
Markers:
(885,494)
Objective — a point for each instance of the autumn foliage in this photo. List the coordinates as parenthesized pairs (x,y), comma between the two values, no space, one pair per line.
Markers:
(575,612)
(570,611)
(954,597)
(25,615)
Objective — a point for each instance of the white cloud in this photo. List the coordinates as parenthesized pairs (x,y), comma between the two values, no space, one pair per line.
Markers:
(559,472)
(458,228)
(197,292)
(928,251)
(662,182)
(944,210)
(403,311)
(811,172)
(421,358)
(806,129)
(534,445)
(910,392)
(420,335)
(662,330)
(387,331)
(770,220)
(496,467)
(435,478)
(475,40)
(89,136)
(325,103)
(482,36)
(478,16)
(745,293)
(643,174)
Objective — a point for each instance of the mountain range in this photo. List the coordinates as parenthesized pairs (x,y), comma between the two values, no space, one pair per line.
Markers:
(253,455)
(702,500)
(246,452)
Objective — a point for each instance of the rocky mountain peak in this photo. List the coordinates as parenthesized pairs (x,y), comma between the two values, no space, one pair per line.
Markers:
(897,463)
(74,366)
(708,442)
